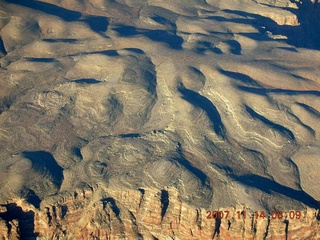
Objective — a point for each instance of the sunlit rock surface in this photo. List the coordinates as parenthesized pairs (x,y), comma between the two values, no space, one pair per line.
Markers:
(98,213)
(161,106)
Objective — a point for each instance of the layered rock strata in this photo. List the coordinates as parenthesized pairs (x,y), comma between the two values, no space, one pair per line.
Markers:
(145,214)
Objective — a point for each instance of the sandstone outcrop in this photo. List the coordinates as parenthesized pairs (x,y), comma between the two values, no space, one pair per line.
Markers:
(144,214)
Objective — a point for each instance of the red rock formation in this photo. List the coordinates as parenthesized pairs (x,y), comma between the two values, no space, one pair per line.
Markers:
(143,214)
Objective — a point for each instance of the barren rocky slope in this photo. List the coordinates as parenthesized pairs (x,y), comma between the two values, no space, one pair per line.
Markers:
(202,104)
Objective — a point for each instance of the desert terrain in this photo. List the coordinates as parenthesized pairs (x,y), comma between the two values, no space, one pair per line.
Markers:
(128,119)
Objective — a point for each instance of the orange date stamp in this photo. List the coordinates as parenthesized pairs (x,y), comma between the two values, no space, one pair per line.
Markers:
(256,214)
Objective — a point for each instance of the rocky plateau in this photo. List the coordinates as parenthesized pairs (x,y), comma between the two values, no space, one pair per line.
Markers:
(135,119)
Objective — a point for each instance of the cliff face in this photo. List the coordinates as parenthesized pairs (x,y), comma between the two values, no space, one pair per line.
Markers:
(144,214)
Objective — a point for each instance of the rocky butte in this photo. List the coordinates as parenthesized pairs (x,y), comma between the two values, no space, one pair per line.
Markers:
(152,119)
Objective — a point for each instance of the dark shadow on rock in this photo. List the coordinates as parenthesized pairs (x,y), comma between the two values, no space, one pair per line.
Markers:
(110,201)
(282,130)
(33,199)
(265,91)
(217,226)
(168,37)
(255,20)
(229,224)
(96,23)
(63,40)
(130,135)
(240,77)
(286,222)
(110,53)
(77,152)
(3,51)
(185,163)
(232,20)
(126,31)
(48,8)
(310,109)
(308,14)
(235,47)
(164,202)
(264,24)
(164,21)
(305,35)
(25,220)
(174,41)
(87,81)
(259,36)
(203,46)
(208,107)
(98,168)
(64,210)
(42,60)
(290,49)
(223,168)
(6,103)
(309,18)
(135,50)
(44,162)
(269,186)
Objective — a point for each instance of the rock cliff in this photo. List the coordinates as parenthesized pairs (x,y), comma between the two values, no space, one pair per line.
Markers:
(91,213)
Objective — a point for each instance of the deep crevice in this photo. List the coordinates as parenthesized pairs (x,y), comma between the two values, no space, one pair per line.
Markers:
(49,216)
(142,191)
(25,220)
(217,226)
(64,210)
(286,222)
(112,203)
(164,202)
(135,226)
(267,230)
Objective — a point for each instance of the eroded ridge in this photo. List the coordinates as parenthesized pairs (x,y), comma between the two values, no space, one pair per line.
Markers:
(212,101)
